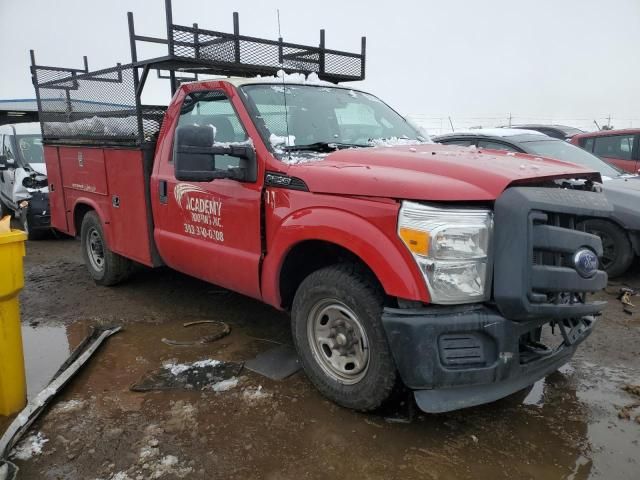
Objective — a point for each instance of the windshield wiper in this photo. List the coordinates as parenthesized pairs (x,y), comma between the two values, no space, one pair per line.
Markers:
(323,146)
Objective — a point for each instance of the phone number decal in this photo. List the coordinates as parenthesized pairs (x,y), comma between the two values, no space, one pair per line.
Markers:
(204,232)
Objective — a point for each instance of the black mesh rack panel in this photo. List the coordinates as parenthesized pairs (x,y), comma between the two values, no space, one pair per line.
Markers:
(100,106)
(104,106)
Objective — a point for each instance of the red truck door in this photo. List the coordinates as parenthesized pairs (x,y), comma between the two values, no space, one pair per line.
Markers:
(210,230)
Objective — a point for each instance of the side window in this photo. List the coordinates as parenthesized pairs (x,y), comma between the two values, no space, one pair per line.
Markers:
(8,148)
(616,146)
(460,142)
(213,108)
(587,144)
(496,146)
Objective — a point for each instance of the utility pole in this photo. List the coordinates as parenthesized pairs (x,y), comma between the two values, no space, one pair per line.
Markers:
(510,120)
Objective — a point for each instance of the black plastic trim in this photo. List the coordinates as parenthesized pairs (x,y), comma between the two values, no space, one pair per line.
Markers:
(519,285)
(495,369)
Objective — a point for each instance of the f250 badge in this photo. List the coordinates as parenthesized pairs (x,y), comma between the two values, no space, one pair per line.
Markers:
(202,214)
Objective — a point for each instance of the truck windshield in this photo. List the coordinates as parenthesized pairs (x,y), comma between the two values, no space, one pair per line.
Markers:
(566,152)
(30,147)
(317,116)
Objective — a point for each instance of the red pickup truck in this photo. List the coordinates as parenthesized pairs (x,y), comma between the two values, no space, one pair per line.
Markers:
(401,261)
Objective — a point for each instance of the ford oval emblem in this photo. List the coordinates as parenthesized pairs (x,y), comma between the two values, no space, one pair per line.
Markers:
(585,262)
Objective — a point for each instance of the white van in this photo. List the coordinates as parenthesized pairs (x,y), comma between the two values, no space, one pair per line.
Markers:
(23,178)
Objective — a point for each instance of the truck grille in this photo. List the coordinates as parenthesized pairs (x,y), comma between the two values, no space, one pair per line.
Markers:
(537,237)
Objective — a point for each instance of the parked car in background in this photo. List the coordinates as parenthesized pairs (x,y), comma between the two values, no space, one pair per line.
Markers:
(562,132)
(620,233)
(618,147)
(23,178)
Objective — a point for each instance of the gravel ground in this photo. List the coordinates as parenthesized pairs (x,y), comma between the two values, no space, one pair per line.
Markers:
(567,426)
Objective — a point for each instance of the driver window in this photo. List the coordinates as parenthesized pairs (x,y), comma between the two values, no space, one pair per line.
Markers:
(213,108)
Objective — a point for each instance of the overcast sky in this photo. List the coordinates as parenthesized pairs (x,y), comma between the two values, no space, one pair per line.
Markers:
(544,58)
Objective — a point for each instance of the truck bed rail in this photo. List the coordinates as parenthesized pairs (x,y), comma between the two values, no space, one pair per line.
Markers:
(76,105)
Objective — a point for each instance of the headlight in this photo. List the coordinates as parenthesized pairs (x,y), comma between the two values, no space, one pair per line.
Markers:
(452,249)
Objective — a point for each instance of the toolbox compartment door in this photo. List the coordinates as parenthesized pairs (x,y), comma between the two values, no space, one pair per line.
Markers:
(57,202)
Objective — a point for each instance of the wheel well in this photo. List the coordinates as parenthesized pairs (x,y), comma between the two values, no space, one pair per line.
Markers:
(78,214)
(309,256)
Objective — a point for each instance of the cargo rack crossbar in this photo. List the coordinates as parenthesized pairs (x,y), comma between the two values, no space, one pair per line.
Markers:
(120,117)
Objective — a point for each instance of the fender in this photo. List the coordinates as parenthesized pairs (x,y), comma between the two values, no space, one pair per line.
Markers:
(100,211)
(388,258)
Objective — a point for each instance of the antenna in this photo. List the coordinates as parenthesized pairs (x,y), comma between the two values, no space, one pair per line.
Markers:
(284,88)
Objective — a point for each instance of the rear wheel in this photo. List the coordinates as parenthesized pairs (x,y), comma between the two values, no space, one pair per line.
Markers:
(105,267)
(338,332)
(618,253)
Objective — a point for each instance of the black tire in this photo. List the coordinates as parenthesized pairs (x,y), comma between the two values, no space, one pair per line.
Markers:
(31,233)
(349,286)
(618,252)
(112,268)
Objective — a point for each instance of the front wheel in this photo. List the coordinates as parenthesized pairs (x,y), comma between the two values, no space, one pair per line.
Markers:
(105,267)
(338,332)
(618,253)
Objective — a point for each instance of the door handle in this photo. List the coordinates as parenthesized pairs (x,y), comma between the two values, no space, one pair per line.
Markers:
(162,191)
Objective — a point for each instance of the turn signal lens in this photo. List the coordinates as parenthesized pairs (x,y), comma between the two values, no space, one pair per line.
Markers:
(417,241)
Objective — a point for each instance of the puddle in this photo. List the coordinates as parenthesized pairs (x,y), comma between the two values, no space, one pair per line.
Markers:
(45,350)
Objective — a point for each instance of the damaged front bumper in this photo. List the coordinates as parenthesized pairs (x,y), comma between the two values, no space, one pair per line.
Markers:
(36,209)
(458,357)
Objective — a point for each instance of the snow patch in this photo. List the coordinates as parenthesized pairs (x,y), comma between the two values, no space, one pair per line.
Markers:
(70,406)
(225,385)
(292,159)
(394,142)
(178,368)
(253,395)
(277,140)
(108,126)
(246,143)
(120,476)
(296,77)
(29,447)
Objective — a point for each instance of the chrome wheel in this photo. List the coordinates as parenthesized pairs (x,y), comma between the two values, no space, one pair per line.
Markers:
(95,249)
(338,341)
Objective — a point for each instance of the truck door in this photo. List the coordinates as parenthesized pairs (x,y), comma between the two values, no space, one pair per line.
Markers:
(210,230)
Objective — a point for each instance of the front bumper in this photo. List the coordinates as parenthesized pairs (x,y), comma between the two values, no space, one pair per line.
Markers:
(458,357)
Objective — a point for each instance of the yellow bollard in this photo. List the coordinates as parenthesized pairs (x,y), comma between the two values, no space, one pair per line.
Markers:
(13,387)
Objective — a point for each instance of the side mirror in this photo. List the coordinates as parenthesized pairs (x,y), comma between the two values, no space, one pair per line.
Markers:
(195,156)
(3,163)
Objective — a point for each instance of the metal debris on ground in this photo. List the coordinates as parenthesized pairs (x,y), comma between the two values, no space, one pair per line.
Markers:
(69,368)
(626,412)
(8,471)
(277,363)
(224,330)
(200,375)
(624,295)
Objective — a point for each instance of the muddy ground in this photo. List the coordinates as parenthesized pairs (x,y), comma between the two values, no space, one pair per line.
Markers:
(567,426)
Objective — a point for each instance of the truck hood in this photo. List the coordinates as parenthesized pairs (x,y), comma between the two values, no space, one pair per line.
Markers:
(429,172)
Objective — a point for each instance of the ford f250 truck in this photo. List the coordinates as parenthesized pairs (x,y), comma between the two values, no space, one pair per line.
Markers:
(401,261)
